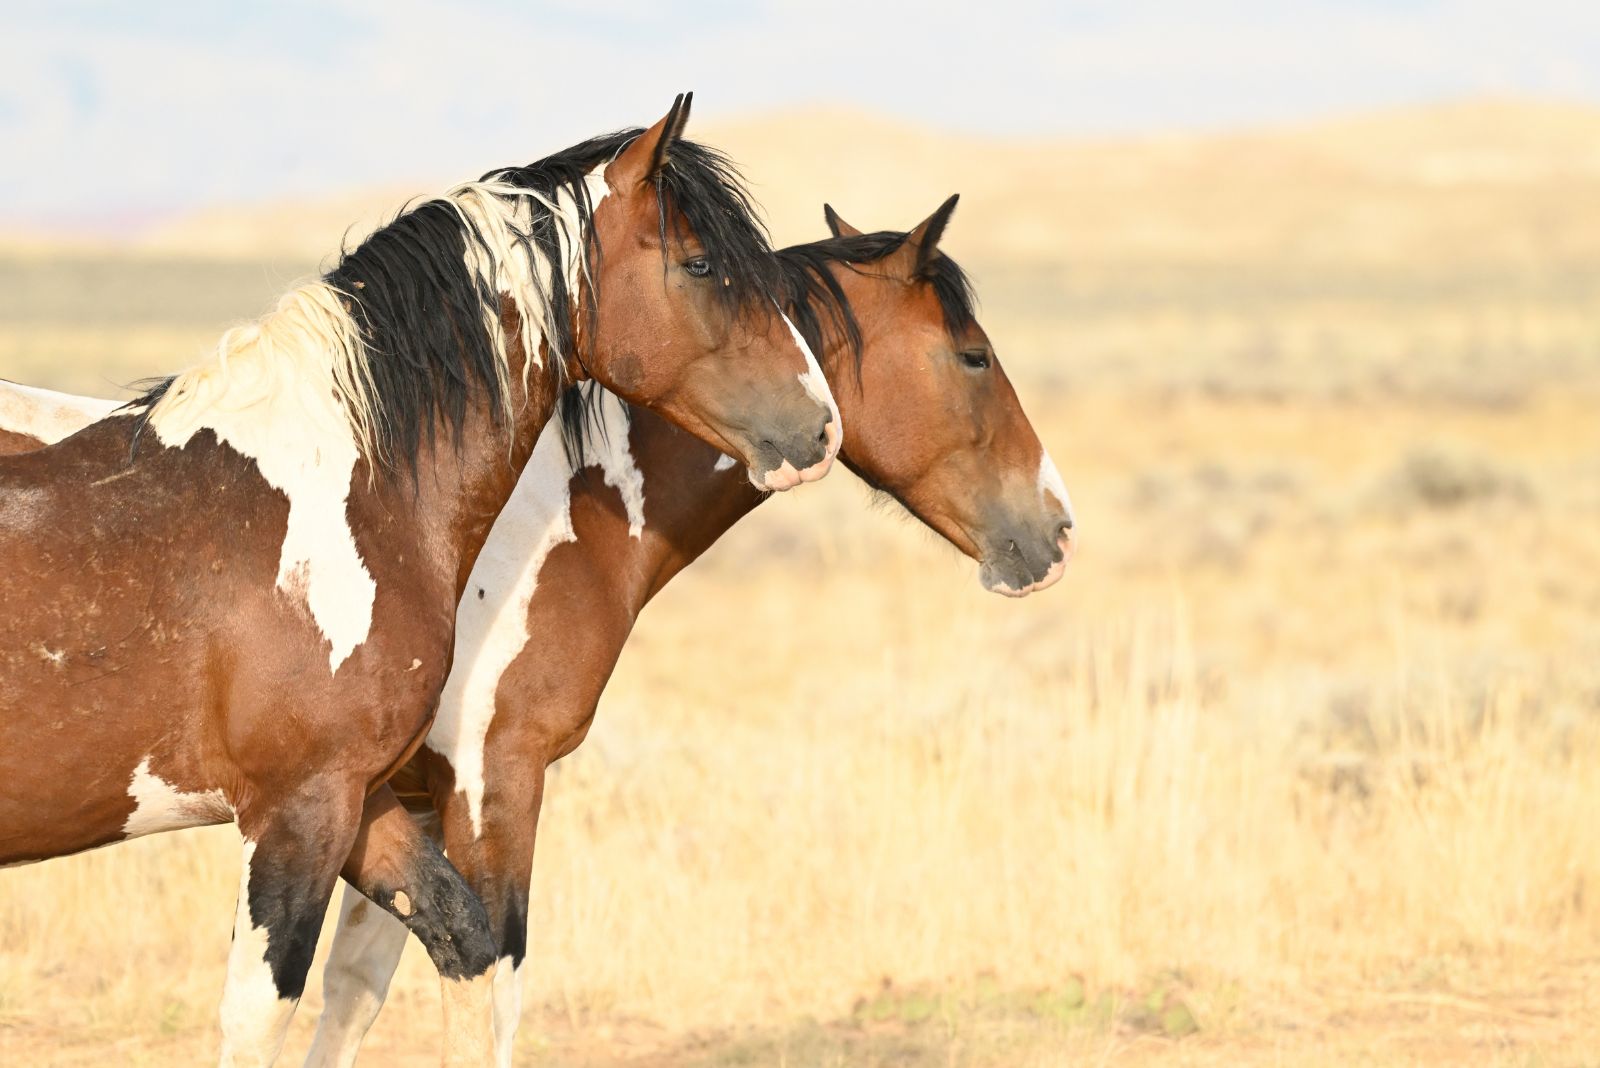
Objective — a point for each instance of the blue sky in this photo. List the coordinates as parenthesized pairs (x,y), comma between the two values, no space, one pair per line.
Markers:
(112,113)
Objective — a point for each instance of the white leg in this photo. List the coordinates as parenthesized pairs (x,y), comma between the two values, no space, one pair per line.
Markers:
(254,1015)
(366,950)
(468,1021)
(507,1009)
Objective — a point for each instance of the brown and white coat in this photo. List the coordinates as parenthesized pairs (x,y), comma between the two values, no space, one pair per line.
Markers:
(235,599)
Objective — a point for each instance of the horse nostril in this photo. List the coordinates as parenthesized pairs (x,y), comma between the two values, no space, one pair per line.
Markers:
(1065,529)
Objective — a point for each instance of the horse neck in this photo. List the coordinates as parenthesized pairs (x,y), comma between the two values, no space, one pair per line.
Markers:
(716,494)
(678,496)
(464,482)
(692,495)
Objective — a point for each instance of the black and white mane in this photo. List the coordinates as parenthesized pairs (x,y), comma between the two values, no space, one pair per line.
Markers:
(415,317)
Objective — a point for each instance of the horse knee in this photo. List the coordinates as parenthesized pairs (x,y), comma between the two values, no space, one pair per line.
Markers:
(436,905)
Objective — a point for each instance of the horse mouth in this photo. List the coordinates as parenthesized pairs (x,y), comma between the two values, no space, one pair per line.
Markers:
(1009,575)
(775,468)
(786,476)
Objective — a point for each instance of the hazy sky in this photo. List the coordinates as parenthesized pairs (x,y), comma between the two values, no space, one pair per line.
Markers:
(113,112)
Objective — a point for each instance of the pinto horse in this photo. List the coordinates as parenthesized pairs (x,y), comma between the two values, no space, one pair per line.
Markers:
(235,598)
(930,419)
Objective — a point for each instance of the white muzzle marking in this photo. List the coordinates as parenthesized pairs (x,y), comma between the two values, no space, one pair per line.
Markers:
(815,383)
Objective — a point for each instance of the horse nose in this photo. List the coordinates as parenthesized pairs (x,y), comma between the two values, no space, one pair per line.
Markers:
(831,435)
(1065,541)
(806,448)
(819,438)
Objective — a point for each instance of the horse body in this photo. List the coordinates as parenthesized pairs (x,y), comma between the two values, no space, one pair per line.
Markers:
(184,616)
(229,601)
(202,603)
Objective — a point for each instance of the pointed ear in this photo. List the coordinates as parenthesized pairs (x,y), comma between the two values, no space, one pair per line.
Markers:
(643,159)
(837,226)
(923,242)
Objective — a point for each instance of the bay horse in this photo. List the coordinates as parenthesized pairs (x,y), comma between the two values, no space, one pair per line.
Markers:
(930,419)
(235,597)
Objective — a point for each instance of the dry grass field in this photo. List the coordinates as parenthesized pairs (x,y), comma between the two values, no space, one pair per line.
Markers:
(1296,767)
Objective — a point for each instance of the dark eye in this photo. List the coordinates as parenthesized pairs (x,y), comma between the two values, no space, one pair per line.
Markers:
(975,359)
(698,268)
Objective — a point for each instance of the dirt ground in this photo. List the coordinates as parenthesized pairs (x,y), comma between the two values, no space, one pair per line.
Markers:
(1549,1023)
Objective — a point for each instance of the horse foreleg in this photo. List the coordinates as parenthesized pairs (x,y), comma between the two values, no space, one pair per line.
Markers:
(292,854)
(366,951)
(496,858)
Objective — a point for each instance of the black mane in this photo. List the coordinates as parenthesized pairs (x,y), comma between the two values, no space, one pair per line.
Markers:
(423,314)
(814,296)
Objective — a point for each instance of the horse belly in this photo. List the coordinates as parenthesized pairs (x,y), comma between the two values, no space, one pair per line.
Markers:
(86,760)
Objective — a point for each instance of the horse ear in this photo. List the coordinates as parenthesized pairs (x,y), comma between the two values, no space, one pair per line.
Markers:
(923,242)
(644,158)
(837,226)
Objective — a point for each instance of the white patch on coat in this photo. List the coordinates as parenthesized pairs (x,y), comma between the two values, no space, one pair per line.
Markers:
(284,393)
(1050,482)
(492,629)
(724,461)
(492,619)
(614,453)
(366,951)
(254,1017)
(46,414)
(160,806)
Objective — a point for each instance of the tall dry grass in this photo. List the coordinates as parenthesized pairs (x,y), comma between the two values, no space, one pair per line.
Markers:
(1114,783)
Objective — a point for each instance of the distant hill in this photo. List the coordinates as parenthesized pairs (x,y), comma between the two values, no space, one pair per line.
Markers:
(1482,180)
(1489,181)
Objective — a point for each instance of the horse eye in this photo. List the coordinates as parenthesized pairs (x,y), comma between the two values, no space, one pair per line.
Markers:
(698,268)
(977,359)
